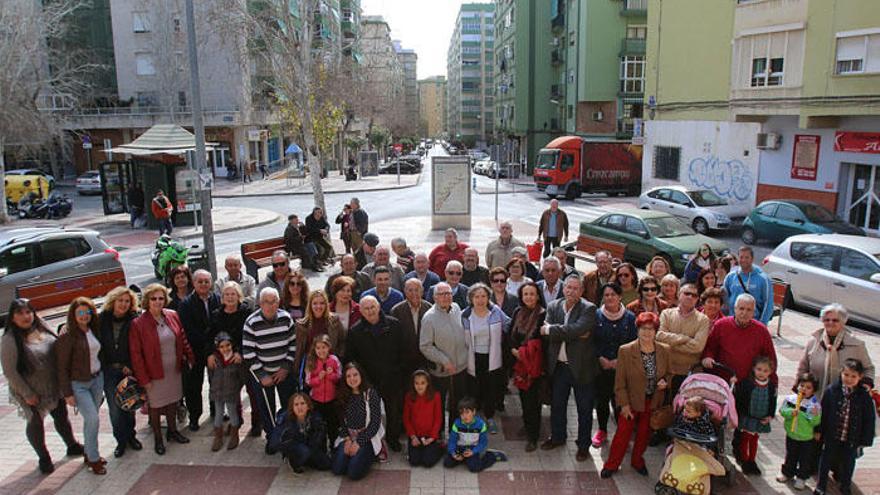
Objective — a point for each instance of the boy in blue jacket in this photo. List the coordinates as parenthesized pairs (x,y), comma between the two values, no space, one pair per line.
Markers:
(469,439)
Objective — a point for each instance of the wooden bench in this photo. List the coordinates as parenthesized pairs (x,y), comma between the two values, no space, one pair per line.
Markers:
(587,246)
(780,293)
(258,254)
(59,292)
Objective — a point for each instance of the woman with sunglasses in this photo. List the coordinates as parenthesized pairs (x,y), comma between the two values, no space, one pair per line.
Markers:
(181,285)
(527,348)
(648,301)
(31,371)
(499,296)
(79,374)
(628,280)
(159,355)
(295,295)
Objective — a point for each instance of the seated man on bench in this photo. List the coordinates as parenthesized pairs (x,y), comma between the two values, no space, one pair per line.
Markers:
(294,243)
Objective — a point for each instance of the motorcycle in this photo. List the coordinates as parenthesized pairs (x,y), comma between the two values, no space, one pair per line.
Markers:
(170,253)
(31,206)
(58,205)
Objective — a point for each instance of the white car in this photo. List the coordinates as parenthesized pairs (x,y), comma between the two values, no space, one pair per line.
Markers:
(700,208)
(484,167)
(89,183)
(821,268)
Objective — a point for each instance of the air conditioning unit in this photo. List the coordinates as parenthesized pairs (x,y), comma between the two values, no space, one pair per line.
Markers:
(768,141)
(598,116)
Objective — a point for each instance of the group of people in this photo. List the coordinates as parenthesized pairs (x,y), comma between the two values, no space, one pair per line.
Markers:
(386,349)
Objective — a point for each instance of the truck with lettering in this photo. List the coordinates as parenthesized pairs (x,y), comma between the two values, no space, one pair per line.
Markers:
(571,165)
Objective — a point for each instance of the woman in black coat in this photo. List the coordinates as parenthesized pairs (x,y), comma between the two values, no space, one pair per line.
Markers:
(316,230)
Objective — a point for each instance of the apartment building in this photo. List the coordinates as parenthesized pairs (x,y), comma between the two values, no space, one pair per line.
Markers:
(432,106)
(470,105)
(409,63)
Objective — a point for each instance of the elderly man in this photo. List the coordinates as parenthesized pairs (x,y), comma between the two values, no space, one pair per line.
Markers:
(360,224)
(377,344)
(442,342)
(421,272)
(364,255)
(454,270)
(234,274)
(404,254)
(553,226)
(296,245)
(348,267)
(382,257)
(737,340)
(567,270)
(383,292)
(499,251)
(749,279)
(267,349)
(275,278)
(195,315)
(472,272)
(450,250)
(596,279)
(550,284)
(571,363)
(409,313)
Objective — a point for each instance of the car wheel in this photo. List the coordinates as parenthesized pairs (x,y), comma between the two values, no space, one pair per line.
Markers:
(573,192)
(748,236)
(701,225)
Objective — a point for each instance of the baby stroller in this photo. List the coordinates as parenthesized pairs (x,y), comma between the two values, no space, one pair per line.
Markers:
(693,460)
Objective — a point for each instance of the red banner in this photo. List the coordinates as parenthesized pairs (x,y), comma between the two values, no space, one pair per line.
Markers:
(805,157)
(857,142)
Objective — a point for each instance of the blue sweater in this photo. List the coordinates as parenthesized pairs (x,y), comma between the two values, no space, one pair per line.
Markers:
(610,335)
(473,436)
(759,286)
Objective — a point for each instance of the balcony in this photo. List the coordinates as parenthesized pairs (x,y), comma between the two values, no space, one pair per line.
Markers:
(556,91)
(556,57)
(634,8)
(632,46)
(557,19)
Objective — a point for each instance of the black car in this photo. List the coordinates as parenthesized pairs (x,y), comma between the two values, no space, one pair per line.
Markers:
(405,167)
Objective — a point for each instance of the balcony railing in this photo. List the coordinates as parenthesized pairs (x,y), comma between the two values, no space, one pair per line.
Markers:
(634,7)
(632,46)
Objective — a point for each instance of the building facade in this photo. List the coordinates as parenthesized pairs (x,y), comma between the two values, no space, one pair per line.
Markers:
(786,104)
(432,106)
(409,63)
(469,68)
(383,73)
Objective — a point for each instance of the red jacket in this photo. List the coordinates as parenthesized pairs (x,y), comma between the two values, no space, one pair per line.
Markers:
(324,389)
(441,255)
(530,364)
(146,354)
(422,417)
(158,211)
(736,347)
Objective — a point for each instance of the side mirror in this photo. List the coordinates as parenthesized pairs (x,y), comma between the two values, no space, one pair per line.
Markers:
(799,221)
(874,278)
(5,271)
(646,235)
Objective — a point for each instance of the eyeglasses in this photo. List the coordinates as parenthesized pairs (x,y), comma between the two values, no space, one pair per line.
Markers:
(83,312)
(442,294)
(453,273)
(624,275)
(499,281)
(649,289)
(692,294)
(831,320)
(157,298)
(294,283)
(279,265)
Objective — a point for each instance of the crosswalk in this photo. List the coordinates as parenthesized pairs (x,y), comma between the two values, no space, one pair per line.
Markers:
(576,214)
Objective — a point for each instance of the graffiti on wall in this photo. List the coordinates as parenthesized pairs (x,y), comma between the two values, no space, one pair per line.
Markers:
(730,179)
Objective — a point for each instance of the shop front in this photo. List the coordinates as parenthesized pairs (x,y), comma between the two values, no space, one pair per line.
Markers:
(862,178)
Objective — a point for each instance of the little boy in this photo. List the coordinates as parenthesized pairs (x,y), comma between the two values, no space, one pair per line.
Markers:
(802,413)
(226,379)
(469,439)
(694,419)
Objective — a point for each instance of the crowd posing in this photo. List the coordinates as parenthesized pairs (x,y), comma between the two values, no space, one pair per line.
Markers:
(426,347)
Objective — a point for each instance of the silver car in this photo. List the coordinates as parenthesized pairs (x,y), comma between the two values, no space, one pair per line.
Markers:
(700,208)
(43,254)
(89,183)
(824,268)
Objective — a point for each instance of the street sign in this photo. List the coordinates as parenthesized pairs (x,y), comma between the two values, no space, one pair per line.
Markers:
(87,142)
(206,179)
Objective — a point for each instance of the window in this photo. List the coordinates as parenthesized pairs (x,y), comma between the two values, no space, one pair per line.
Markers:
(667,161)
(788,213)
(55,250)
(140,22)
(767,210)
(858,54)
(636,32)
(632,74)
(857,265)
(176,24)
(347,15)
(18,258)
(181,98)
(147,99)
(567,162)
(762,75)
(636,227)
(679,197)
(818,255)
(144,64)
(615,222)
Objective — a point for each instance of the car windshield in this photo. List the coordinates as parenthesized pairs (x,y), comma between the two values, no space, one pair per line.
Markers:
(665,227)
(707,198)
(547,159)
(817,214)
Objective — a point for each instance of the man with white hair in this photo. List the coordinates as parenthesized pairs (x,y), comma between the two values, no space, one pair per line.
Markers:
(550,285)
(422,273)
(382,257)
(737,340)
(234,274)
(195,315)
(500,250)
(409,313)
(454,270)
(268,348)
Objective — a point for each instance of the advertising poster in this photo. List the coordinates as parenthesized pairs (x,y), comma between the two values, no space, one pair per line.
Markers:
(805,157)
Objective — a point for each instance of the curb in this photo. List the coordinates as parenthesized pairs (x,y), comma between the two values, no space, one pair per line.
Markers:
(303,193)
(230,229)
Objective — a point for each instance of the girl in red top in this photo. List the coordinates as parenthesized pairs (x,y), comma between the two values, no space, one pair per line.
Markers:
(322,370)
(423,419)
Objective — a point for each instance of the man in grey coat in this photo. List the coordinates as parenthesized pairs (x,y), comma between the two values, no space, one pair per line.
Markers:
(571,363)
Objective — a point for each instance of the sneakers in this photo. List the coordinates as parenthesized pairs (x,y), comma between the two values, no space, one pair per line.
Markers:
(599,438)
(499,455)
(493,426)
(800,484)
(783,478)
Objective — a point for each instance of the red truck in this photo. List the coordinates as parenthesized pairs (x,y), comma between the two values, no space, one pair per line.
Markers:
(570,165)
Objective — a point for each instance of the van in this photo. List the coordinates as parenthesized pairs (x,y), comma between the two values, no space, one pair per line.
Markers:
(18,186)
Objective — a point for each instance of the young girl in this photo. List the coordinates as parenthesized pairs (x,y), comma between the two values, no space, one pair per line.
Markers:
(422,419)
(802,413)
(322,370)
(756,404)
(694,418)
(226,379)
(847,426)
(301,435)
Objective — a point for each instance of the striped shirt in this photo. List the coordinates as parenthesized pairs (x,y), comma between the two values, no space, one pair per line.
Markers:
(268,345)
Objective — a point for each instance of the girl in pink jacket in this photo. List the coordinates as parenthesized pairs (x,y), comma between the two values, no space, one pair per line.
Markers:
(322,372)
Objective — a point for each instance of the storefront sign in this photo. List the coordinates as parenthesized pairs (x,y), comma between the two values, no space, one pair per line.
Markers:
(805,157)
(857,142)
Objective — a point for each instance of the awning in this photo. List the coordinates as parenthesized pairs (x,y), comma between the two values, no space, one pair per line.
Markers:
(293,148)
(167,139)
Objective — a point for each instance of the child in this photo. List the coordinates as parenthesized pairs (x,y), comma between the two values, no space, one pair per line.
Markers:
(301,435)
(468,440)
(322,370)
(422,420)
(847,425)
(693,419)
(802,413)
(755,404)
(226,379)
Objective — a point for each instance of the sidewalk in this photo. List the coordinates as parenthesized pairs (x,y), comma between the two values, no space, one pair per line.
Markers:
(334,183)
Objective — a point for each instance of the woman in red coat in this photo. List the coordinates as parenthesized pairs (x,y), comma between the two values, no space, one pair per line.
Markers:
(159,353)
(526,347)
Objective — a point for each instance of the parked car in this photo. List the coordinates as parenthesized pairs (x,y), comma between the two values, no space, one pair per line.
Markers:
(700,208)
(413,158)
(482,167)
(89,183)
(34,171)
(405,167)
(44,254)
(820,268)
(778,219)
(506,171)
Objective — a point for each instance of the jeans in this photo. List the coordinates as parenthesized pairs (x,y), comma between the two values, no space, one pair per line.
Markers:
(123,422)
(641,423)
(474,463)
(232,407)
(266,403)
(800,457)
(425,455)
(165,226)
(89,396)
(844,457)
(451,390)
(355,467)
(310,255)
(604,397)
(563,382)
(193,381)
(531,411)
(484,386)
(301,455)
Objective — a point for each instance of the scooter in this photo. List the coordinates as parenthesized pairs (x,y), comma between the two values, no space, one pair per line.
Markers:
(58,205)
(169,253)
(31,206)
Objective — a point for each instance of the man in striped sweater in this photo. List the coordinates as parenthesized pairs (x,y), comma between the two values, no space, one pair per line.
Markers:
(267,349)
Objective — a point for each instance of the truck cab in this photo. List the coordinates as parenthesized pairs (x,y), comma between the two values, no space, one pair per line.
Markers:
(557,171)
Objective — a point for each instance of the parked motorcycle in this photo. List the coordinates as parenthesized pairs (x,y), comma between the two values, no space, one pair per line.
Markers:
(32,206)
(169,253)
(58,205)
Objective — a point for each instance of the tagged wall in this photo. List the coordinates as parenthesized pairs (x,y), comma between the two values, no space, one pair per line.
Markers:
(719,156)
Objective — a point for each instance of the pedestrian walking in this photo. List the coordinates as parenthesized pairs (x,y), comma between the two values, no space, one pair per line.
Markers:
(553,227)
(162,209)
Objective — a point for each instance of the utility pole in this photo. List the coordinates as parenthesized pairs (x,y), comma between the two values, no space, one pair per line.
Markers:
(199,128)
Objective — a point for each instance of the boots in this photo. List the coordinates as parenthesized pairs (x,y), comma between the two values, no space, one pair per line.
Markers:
(233,438)
(218,439)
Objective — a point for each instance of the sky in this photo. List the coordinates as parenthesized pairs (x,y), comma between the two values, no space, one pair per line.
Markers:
(422,25)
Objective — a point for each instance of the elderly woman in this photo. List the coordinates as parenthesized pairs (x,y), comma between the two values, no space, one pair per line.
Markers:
(30,369)
(342,304)
(484,325)
(120,309)
(643,374)
(658,267)
(626,277)
(79,374)
(159,354)
(648,301)
(317,321)
(500,296)
(830,346)
(710,304)
(526,347)
(516,276)
(669,286)
(181,285)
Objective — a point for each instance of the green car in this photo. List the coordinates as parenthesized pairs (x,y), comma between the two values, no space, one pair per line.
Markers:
(649,233)
(779,219)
